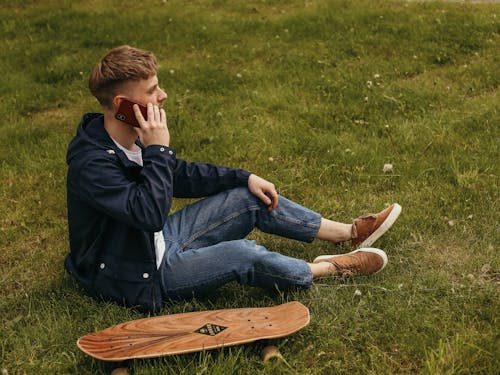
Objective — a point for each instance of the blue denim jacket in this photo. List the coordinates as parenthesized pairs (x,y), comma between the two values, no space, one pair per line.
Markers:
(115,206)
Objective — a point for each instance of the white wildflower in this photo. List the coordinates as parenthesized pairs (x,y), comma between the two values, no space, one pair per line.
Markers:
(387,168)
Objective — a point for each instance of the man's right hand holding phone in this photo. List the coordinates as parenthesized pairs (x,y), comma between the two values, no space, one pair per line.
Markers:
(154,130)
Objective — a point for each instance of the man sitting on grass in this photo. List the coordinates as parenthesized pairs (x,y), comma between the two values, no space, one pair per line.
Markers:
(121,181)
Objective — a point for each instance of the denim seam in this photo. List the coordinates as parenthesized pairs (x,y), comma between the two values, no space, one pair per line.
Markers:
(290,280)
(314,226)
(235,214)
(293,281)
(191,286)
(299,222)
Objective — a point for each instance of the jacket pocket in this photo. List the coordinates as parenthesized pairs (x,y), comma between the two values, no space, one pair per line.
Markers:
(128,282)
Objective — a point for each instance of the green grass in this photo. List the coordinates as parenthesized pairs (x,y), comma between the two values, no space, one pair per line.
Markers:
(315,96)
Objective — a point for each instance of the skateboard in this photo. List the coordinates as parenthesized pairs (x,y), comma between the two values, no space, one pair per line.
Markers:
(193,332)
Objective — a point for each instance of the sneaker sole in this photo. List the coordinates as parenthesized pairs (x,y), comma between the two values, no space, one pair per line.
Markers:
(379,252)
(388,222)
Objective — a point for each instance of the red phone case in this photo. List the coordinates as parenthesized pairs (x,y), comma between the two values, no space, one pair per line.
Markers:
(126,113)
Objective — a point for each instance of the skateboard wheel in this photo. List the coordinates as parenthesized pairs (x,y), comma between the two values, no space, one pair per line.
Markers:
(271,352)
(120,371)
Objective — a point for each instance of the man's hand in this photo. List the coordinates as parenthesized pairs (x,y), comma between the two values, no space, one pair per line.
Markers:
(154,130)
(264,190)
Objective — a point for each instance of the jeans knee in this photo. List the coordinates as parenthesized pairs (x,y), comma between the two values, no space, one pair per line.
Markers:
(243,194)
(240,193)
(249,253)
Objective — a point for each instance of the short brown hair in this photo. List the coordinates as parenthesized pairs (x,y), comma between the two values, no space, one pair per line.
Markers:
(119,65)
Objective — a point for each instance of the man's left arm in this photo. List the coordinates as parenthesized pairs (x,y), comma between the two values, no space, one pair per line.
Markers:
(196,180)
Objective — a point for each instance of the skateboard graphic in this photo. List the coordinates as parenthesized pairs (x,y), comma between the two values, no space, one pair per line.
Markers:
(193,332)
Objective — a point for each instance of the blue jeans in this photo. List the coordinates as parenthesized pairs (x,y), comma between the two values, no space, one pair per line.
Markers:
(205,245)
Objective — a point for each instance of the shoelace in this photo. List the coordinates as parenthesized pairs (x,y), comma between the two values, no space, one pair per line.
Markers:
(347,269)
(371,218)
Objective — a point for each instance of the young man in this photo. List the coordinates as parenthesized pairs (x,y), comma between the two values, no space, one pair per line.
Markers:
(121,181)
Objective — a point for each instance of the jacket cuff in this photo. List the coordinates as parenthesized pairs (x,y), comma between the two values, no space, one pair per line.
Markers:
(159,149)
(243,176)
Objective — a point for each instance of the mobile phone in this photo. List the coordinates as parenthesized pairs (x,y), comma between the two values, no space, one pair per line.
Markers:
(126,113)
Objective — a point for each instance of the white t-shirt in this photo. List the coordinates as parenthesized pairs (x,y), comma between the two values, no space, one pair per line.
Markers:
(136,157)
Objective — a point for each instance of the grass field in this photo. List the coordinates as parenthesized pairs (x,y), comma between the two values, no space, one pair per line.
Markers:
(316,96)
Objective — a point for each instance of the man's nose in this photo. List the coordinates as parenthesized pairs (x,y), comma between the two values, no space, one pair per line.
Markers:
(163,95)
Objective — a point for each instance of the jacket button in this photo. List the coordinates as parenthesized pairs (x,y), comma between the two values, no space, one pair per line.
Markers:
(102,266)
(111,152)
(170,152)
(145,275)
(162,149)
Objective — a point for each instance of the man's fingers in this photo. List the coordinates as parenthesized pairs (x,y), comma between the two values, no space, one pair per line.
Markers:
(156,113)
(273,201)
(264,190)
(155,116)
(269,201)
(138,115)
(154,130)
(263,197)
(163,116)
(151,112)
(274,198)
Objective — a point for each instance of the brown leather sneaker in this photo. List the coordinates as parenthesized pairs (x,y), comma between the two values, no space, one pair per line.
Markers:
(365,261)
(367,229)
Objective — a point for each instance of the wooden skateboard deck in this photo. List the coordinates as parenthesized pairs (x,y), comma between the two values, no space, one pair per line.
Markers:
(193,332)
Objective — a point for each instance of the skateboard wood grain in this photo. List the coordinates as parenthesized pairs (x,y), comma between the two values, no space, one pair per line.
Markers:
(192,332)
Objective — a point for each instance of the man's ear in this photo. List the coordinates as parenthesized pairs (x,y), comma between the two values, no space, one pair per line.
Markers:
(117,100)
